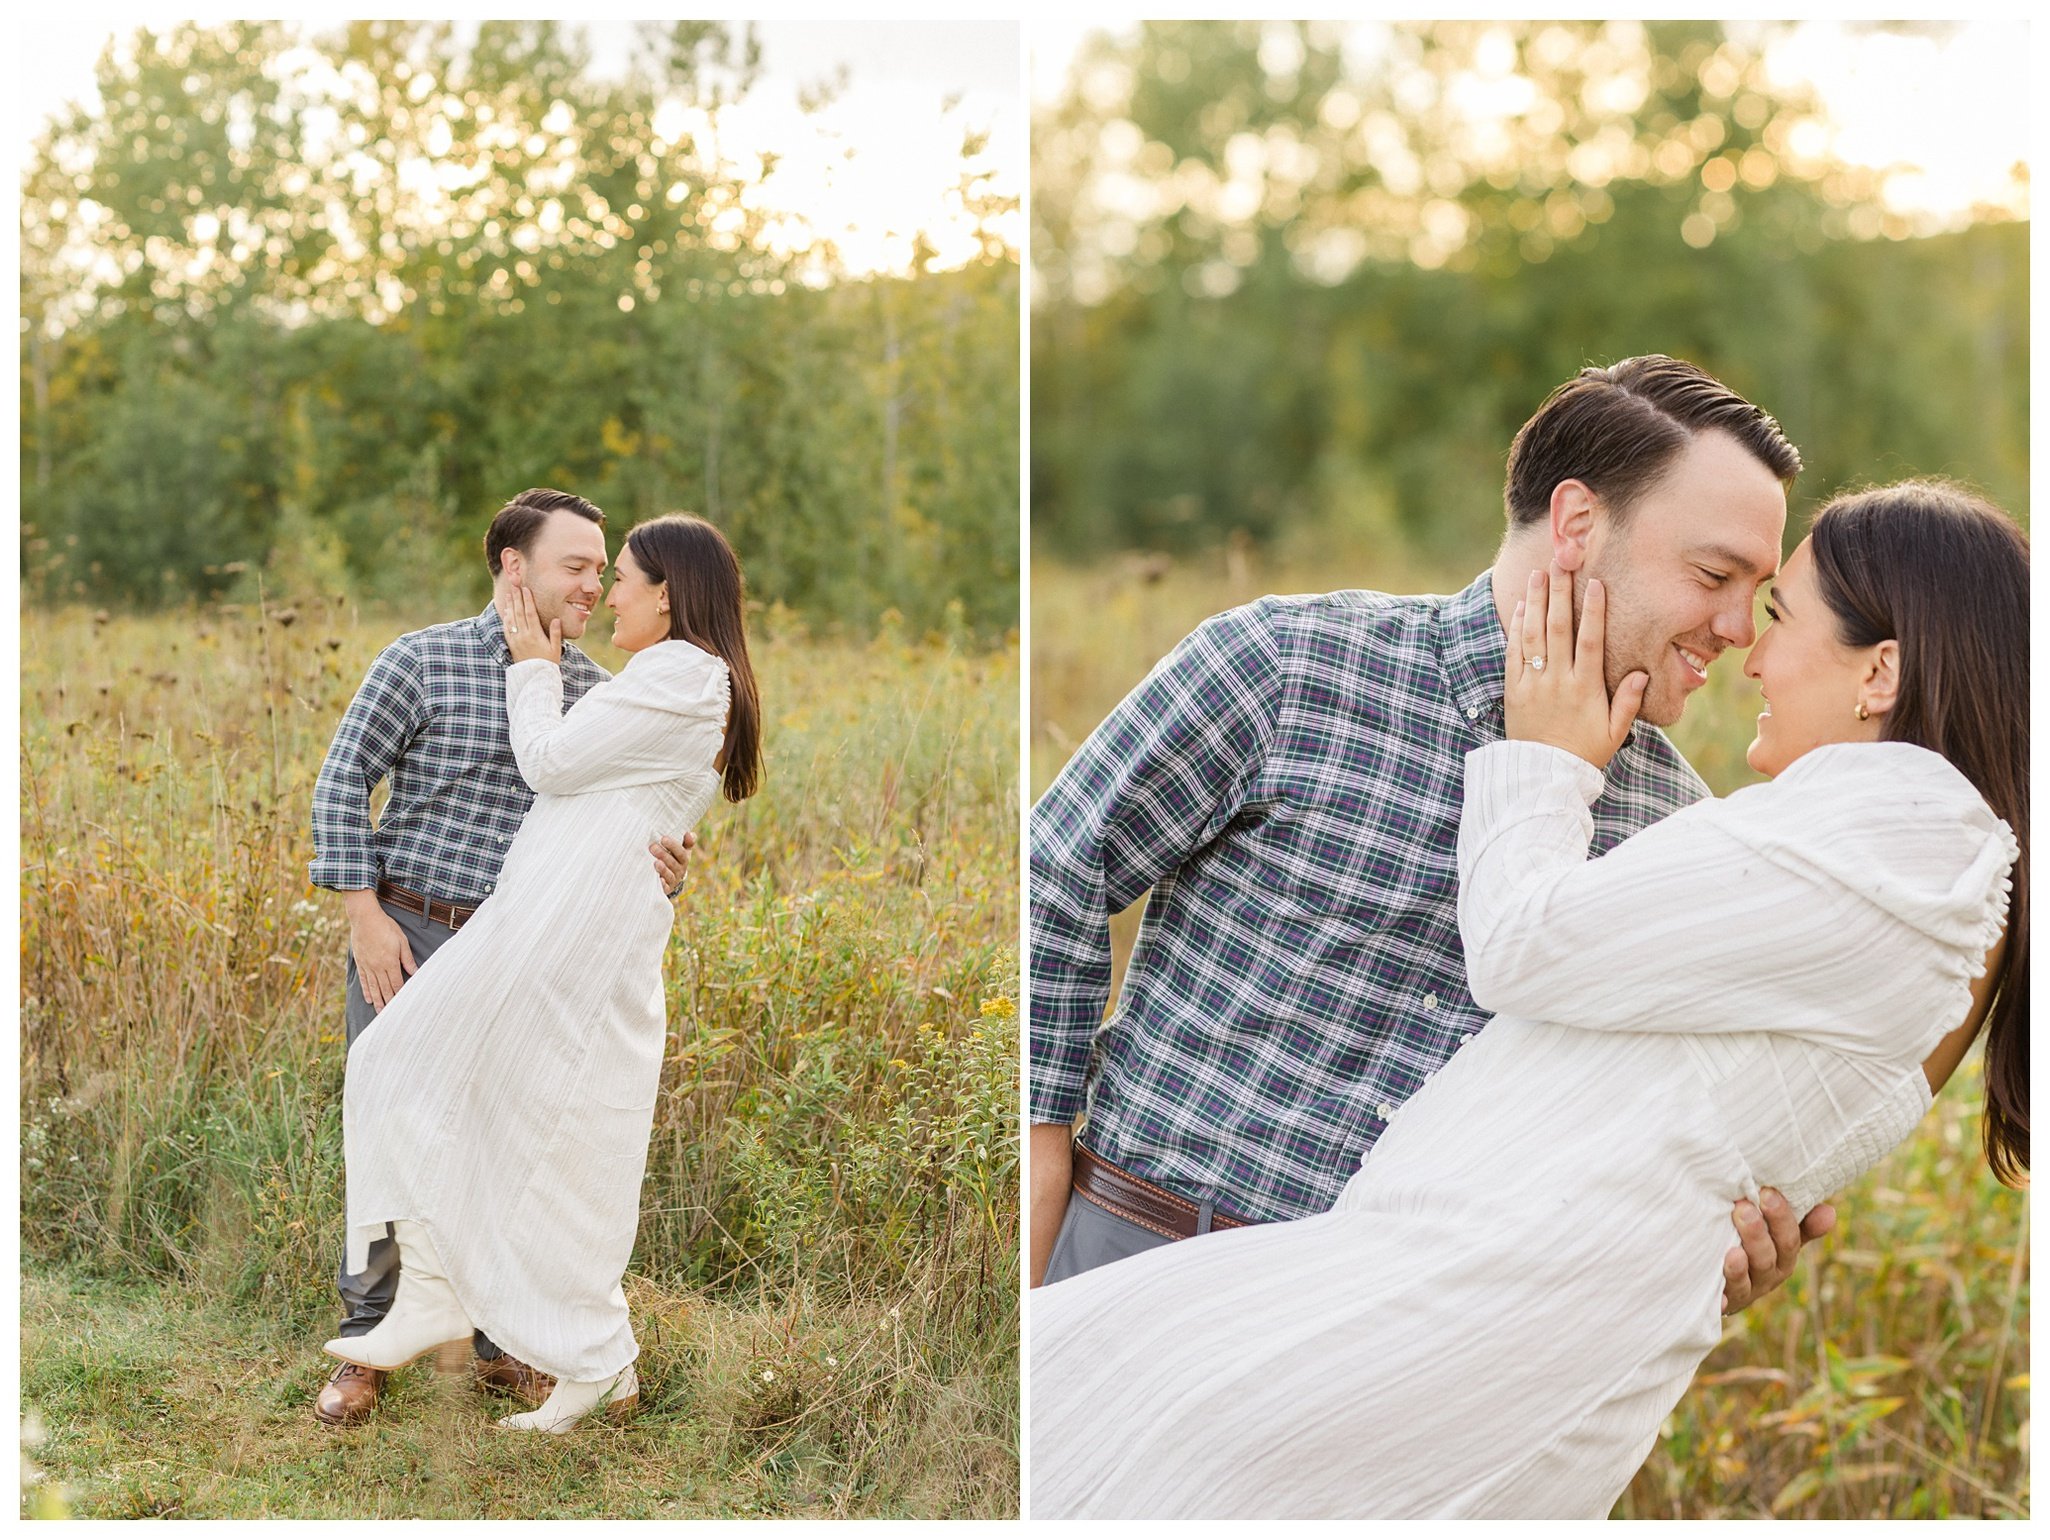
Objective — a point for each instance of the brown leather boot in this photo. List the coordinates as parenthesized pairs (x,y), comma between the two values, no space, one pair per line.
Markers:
(508,1376)
(349,1396)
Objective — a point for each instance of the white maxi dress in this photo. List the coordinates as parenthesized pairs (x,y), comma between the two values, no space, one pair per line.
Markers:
(1517,1286)
(503,1098)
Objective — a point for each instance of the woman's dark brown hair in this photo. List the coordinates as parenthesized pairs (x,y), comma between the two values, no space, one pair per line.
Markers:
(1946,574)
(707,600)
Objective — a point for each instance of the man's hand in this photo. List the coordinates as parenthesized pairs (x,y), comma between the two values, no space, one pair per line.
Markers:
(672,861)
(383,959)
(1050,1166)
(1769,1243)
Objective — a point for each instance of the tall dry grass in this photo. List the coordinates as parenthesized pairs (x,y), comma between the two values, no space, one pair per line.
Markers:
(827,1252)
(1889,1378)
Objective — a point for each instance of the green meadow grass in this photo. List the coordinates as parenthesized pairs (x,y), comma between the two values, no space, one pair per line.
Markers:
(1889,1377)
(825,1282)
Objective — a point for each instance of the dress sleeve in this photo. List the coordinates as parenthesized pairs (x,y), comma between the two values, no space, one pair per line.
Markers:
(386,714)
(624,732)
(1159,779)
(1683,927)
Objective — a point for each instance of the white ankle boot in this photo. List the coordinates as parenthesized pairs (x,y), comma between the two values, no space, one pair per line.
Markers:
(424,1314)
(573,1400)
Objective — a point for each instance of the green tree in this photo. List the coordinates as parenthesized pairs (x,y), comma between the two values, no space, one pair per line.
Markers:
(325,303)
(1288,293)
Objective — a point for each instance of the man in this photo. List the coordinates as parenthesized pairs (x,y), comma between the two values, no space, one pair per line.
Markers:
(1287,784)
(430,715)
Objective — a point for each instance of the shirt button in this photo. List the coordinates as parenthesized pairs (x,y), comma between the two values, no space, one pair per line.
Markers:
(1430,1002)
(1385,1111)
(1466,1037)
(1473,713)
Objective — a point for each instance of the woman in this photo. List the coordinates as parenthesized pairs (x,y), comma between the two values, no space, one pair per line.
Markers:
(1516,1288)
(497,1111)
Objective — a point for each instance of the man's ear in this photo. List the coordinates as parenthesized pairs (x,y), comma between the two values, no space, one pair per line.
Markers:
(512,566)
(1572,522)
(1881,686)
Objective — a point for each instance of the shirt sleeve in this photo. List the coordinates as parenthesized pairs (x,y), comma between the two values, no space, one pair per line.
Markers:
(387,713)
(1157,781)
(1687,926)
(623,732)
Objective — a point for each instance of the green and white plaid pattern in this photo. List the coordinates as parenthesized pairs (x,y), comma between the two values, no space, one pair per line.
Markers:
(1287,782)
(431,715)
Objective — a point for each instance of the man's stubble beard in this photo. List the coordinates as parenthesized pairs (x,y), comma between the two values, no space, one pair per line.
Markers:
(556,607)
(1630,644)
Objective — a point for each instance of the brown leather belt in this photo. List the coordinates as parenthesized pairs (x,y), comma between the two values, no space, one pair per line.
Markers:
(1152,1208)
(451,915)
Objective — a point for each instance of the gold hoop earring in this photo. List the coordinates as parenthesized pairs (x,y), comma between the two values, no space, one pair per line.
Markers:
(1860,712)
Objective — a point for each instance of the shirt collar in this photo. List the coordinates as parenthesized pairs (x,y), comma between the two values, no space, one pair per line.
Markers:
(1470,641)
(1473,644)
(491,632)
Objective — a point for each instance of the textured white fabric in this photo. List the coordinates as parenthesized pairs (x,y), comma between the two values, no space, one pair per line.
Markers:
(1515,1289)
(503,1098)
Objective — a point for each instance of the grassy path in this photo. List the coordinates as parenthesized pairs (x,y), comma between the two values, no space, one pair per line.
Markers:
(154,1403)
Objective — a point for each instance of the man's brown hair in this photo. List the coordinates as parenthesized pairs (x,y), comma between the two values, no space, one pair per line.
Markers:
(1618,429)
(514,526)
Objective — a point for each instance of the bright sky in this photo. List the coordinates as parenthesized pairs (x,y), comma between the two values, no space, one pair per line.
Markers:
(1954,107)
(913,90)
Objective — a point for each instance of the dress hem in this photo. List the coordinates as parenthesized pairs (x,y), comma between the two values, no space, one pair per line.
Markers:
(503,1340)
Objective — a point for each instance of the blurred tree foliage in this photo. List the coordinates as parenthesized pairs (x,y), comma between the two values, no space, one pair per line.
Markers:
(317,306)
(1288,292)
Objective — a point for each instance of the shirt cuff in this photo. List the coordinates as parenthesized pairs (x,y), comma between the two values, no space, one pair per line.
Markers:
(1056,1092)
(1515,773)
(342,874)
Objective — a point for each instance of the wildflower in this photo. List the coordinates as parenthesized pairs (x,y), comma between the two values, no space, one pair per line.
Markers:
(999,1005)
(768,1376)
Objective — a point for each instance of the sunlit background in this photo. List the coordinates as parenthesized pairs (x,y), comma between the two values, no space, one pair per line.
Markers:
(1296,284)
(1911,127)
(1936,113)
(863,120)
(335,290)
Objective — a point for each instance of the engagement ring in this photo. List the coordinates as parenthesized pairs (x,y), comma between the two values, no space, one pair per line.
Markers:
(1537,665)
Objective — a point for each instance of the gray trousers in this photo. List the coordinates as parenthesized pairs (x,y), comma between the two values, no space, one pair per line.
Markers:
(1092,1235)
(367,1295)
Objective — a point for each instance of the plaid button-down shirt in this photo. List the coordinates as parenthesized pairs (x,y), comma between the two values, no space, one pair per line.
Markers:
(1287,782)
(431,715)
